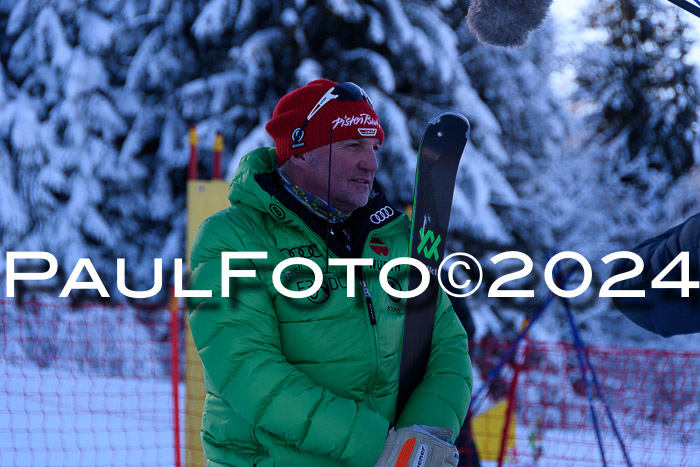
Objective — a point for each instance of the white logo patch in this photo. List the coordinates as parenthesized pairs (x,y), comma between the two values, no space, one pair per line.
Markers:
(297,137)
(367,131)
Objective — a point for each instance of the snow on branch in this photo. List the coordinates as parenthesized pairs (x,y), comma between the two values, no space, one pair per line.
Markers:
(14,218)
(50,39)
(349,10)
(215,18)
(142,66)
(20,16)
(375,31)
(377,64)
(96,32)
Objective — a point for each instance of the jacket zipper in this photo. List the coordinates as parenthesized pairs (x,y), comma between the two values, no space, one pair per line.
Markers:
(368,299)
(375,344)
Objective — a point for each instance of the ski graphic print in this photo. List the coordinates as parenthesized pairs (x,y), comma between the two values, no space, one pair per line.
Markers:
(442,145)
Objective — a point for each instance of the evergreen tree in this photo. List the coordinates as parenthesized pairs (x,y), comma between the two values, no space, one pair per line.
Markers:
(414,58)
(89,178)
(534,129)
(639,100)
(114,84)
(641,89)
(404,53)
(96,98)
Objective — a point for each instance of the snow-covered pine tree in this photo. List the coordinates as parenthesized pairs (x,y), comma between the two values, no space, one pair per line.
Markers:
(404,53)
(414,58)
(86,148)
(639,99)
(514,84)
(90,177)
(535,129)
(155,67)
(641,89)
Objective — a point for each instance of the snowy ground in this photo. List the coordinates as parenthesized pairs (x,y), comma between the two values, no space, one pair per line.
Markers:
(55,418)
(580,448)
(52,417)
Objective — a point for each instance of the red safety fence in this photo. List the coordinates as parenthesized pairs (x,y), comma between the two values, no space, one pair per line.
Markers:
(654,397)
(85,386)
(93,386)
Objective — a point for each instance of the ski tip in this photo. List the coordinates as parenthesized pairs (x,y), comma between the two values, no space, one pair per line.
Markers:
(451,114)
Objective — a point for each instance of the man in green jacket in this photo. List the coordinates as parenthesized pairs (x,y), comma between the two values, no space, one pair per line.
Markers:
(313,380)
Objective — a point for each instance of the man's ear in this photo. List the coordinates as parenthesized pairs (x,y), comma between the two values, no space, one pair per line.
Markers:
(300,161)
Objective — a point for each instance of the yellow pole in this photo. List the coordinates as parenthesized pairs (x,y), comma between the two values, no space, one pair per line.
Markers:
(204,198)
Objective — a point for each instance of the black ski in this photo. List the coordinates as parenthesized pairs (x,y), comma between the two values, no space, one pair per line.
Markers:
(442,144)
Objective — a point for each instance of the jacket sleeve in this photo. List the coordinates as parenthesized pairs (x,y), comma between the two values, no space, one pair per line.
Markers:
(442,398)
(663,311)
(238,341)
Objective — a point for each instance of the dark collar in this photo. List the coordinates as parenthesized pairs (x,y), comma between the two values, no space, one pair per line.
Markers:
(377,213)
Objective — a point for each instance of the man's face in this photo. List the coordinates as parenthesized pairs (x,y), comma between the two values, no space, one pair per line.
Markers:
(353,166)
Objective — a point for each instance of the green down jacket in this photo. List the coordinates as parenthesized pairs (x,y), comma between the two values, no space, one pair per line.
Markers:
(309,381)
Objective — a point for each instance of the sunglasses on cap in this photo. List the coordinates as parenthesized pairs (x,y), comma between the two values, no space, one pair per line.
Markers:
(342,92)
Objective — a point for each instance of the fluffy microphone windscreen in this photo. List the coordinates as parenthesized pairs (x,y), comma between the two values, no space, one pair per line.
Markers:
(506,22)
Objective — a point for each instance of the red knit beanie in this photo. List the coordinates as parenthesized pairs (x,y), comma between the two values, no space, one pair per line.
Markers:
(349,119)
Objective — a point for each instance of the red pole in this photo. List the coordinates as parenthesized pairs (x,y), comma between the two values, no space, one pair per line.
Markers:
(519,361)
(175,370)
(218,149)
(192,173)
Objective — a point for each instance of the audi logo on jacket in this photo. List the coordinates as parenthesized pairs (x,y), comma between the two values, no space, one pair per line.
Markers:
(382,215)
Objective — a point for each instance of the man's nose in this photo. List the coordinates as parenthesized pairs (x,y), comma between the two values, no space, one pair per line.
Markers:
(368,160)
